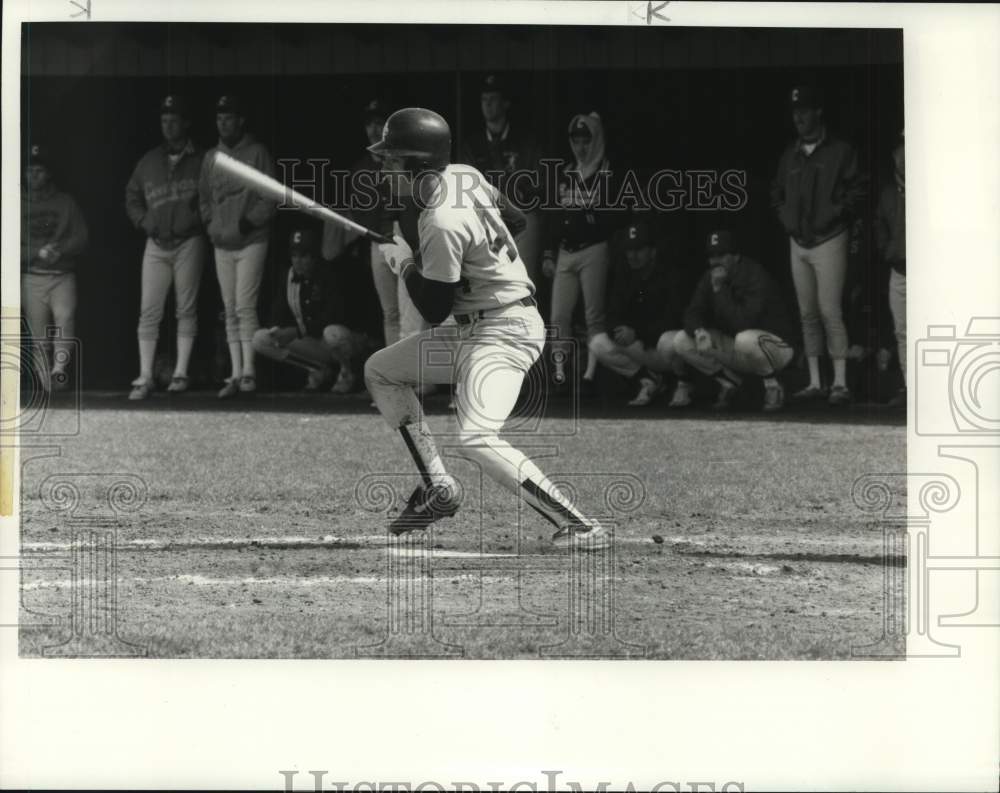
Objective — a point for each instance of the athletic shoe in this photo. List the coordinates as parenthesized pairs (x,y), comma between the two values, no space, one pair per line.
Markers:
(840,395)
(230,389)
(591,537)
(724,400)
(345,381)
(648,388)
(427,504)
(178,383)
(248,384)
(317,379)
(138,381)
(141,391)
(774,398)
(809,393)
(683,395)
(899,400)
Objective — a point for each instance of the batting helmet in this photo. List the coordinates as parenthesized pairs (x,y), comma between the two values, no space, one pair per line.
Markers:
(418,134)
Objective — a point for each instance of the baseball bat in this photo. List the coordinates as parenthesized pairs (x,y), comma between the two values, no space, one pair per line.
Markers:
(275,190)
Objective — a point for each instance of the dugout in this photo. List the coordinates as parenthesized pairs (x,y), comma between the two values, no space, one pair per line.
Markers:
(679,98)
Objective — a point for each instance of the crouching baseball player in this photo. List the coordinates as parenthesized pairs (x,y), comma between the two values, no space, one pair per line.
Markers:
(648,298)
(310,330)
(736,325)
(467,268)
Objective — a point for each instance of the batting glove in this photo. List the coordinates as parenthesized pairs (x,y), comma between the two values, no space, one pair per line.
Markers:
(396,253)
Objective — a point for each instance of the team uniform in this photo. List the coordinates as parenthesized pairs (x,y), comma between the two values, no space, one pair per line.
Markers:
(161,200)
(53,236)
(491,337)
(311,307)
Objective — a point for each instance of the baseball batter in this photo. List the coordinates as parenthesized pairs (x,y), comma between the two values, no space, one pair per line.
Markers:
(468,277)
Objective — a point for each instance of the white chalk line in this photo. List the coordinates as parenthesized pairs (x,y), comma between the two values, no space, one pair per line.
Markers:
(280,581)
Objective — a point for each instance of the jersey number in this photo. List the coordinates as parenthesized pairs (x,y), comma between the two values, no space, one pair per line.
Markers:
(496,232)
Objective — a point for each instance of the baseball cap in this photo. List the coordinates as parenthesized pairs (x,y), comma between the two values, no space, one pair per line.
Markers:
(638,235)
(302,241)
(172,103)
(493,83)
(805,95)
(720,242)
(228,103)
(375,109)
(37,155)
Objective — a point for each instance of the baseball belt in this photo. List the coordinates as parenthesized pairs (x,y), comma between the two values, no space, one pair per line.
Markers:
(466,319)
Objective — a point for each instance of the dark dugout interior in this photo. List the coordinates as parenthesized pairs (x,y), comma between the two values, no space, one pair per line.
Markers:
(684,99)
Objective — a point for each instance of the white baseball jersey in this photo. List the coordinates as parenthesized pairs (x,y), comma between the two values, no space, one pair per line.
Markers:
(463,240)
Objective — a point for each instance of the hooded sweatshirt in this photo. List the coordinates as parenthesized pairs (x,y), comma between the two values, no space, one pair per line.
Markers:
(224,201)
(586,192)
(161,197)
(51,216)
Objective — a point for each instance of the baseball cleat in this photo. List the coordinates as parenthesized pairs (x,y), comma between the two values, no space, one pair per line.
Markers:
(840,395)
(248,384)
(809,393)
(138,381)
(426,505)
(141,391)
(648,389)
(590,537)
(346,381)
(683,395)
(724,400)
(774,398)
(230,389)
(178,383)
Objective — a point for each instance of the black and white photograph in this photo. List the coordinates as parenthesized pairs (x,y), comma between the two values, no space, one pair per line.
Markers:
(556,339)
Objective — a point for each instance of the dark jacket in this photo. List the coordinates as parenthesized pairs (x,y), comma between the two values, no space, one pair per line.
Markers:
(161,199)
(498,157)
(51,216)
(890,227)
(749,300)
(650,302)
(309,304)
(224,201)
(816,195)
(585,214)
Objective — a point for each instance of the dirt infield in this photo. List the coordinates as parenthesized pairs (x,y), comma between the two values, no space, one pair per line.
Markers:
(262,535)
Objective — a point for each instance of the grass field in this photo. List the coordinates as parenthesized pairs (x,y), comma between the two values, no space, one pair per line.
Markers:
(741,539)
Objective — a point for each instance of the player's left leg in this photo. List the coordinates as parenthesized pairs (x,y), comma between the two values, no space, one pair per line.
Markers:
(187,265)
(594,285)
(764,354)
(344,347)
(492,364)
(629,361)
(63,302)
(249,272)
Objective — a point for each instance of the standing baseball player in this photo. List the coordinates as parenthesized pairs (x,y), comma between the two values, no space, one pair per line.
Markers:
(467,269)
(509,157)
(53,236)
(238,223)
(161,199)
